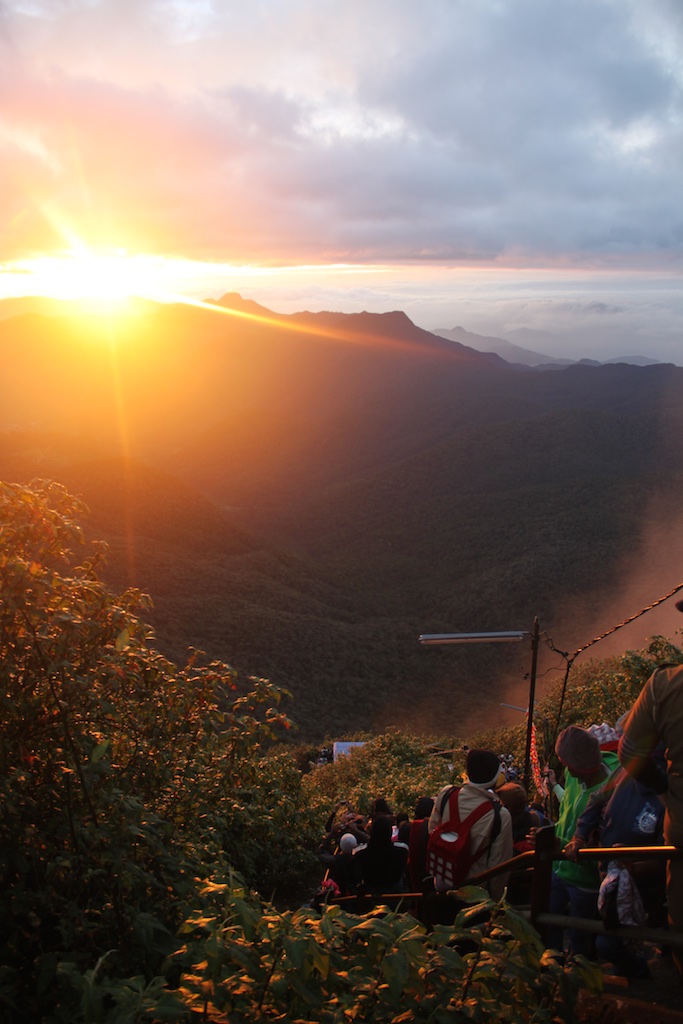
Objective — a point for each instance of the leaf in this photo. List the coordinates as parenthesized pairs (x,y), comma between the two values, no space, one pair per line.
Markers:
(521,929)
(122,640)
(321,959)
(395,971)
(591,974)
(99,751)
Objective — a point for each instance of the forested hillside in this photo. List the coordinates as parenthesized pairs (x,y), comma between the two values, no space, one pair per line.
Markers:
(304,495)
(151,810)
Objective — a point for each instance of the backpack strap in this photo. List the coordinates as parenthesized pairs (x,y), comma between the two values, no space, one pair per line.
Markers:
(454,818)
(446,798)
(495,828)
(475,815)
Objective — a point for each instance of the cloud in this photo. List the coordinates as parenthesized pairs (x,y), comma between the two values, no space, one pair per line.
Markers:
(333,129)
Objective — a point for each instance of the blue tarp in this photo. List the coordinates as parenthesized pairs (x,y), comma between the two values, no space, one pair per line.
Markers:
(341,748)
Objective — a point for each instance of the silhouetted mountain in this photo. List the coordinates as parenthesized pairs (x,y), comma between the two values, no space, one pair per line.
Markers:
(303,495)
(508,351)
(514,353)
(634,360)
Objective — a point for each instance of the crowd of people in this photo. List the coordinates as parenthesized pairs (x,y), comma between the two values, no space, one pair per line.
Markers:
(386,852)
(613,786)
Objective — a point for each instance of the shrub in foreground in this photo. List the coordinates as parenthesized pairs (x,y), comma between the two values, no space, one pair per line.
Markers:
(123,778)
(244,961)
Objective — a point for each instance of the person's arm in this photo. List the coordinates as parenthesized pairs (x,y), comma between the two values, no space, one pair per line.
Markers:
(640,738)
(358,832)
(588,822)
(553,784)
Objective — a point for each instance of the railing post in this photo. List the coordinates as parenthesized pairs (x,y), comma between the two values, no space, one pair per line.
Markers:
(542,876)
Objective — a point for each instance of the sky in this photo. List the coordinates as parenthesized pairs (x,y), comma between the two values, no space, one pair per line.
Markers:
(494,164)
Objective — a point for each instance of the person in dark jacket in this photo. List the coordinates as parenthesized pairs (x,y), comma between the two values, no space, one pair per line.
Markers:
(625,812)
(657,717)
(525,821)
(418,838)
(381,864)
(342,868)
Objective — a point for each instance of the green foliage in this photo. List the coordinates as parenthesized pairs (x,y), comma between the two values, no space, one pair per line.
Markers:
(602,691)
(122,777)
(244,961)
(394,765)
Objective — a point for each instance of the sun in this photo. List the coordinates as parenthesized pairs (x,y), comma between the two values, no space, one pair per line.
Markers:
(103,280)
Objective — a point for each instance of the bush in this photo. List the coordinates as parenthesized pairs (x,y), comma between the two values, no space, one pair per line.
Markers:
(394,765)
(244,962)
(122,777)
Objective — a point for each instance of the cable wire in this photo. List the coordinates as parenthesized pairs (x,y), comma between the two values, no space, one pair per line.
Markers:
(570,659)
(632,618)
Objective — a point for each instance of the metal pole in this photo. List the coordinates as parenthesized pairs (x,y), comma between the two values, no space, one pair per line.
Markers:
(506,636)
(530,710)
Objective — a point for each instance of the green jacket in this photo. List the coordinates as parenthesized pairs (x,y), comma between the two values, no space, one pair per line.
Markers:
(572,805)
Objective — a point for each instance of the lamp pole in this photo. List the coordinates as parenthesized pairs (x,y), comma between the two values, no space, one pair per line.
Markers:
(506,636)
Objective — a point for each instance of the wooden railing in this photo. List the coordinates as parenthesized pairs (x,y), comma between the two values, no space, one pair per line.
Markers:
(539,862)
(542,859)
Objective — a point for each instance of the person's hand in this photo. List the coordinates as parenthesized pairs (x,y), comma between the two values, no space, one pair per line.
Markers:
(550,777)
(572,848)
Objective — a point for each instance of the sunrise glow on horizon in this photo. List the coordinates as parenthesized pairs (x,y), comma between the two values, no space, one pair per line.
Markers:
(488,299)
(496,167)
(111,274)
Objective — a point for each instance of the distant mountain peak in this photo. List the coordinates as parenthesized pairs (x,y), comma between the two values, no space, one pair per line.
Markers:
(513,352)
(503,348)
(233,300)
(634,360)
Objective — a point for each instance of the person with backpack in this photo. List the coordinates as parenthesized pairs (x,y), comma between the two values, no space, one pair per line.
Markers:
(469,829)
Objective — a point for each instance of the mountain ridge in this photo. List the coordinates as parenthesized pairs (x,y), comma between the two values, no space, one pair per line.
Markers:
(518,354)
